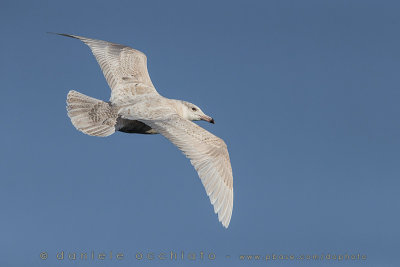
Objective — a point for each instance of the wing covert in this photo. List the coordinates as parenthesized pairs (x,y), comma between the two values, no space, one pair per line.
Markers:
(124,68)
(209,156)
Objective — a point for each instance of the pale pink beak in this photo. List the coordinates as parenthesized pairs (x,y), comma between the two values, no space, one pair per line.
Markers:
(207,118)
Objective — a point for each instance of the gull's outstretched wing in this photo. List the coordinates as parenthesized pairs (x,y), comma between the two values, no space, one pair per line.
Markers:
(124,68)
(209,156)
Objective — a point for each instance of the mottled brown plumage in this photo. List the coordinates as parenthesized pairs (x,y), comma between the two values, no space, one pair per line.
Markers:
(136,107)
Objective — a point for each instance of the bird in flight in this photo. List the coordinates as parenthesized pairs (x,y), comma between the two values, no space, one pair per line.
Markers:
(135,106)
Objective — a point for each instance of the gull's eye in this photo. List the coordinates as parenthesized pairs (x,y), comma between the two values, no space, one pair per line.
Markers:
(194,109)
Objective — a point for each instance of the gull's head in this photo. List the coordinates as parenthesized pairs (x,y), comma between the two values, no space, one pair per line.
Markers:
(194,113)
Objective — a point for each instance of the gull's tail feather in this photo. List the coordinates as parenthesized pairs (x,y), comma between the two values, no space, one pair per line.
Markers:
(90,115)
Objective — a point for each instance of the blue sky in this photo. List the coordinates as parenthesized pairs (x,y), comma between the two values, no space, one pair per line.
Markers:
(304,93)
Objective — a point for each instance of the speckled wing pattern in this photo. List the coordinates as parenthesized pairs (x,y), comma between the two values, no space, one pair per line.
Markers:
(209,156)
(124,68)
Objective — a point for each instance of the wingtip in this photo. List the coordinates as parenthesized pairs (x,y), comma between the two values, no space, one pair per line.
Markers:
(55,33)
(63,34)
(225,224)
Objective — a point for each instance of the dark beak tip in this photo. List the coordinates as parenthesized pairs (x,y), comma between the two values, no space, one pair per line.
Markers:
(212,121)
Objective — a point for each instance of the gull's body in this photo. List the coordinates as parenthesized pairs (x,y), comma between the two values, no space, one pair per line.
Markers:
(136,107)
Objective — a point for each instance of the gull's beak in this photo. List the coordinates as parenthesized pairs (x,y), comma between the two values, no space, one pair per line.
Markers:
(207,118)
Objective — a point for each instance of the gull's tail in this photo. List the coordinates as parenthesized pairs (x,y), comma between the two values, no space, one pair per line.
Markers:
(90,115)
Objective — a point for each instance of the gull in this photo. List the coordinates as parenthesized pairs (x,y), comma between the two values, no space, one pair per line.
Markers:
(135,106)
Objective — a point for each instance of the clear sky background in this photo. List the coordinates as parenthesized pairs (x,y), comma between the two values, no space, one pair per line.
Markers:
(304,93)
